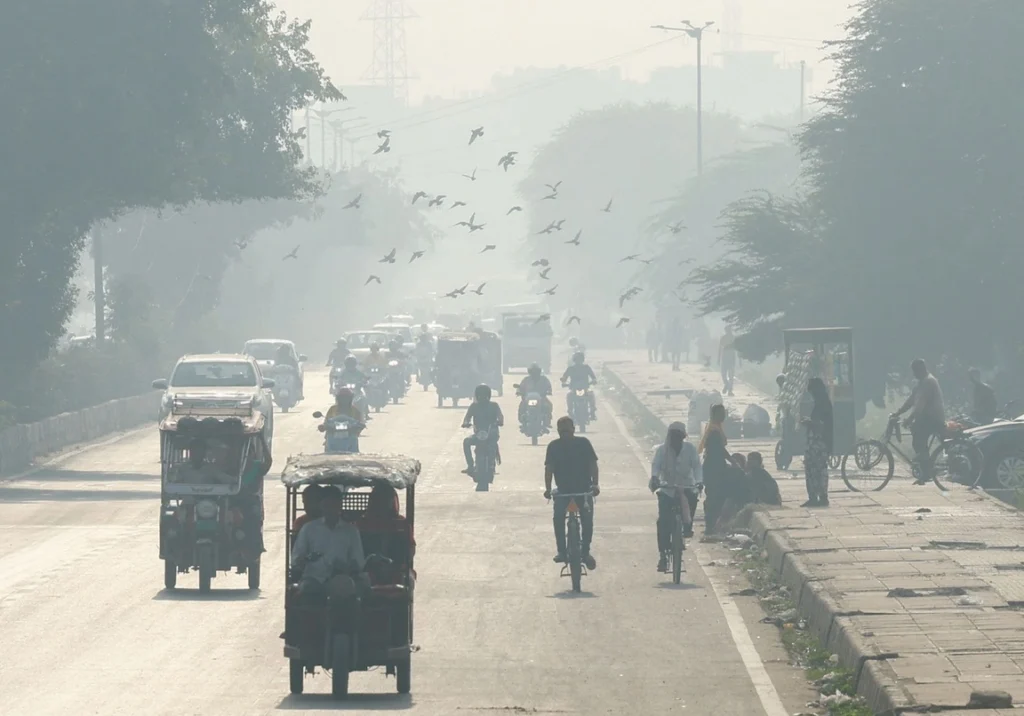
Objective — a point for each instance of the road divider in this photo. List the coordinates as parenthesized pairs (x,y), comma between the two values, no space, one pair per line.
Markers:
(21,445)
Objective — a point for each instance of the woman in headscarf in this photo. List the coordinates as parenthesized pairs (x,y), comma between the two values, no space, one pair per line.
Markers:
(715,466)
(819,444)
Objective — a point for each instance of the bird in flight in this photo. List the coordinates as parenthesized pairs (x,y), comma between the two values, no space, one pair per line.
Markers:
(462,291)
(385,146)
(438,200)
(552,195)
(540,262)
(686,261)
(471,177)
(419,195)
(489,247)
(542,317)
(475,227)
(572,320)
(457,204)
(622,321)
(416,255)
(372,278)
(476,134)
(390,258)
(646,262)
(544,274)
(553,226)
(608,207)
(513,209)
(554,187)
(293,255)
(354,204)
(508,160)
(550,291)
(452,294)
(467,223)
(384,134)
(676,227)
(479,290)
(628,295)
(631,257)
(558,224)
(575,240)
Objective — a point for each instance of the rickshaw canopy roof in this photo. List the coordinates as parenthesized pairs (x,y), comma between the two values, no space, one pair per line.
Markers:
(351,470)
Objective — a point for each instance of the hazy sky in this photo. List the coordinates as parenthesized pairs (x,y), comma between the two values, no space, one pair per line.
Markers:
(455,46)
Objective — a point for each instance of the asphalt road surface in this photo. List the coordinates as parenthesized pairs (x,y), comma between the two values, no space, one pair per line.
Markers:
(87,628)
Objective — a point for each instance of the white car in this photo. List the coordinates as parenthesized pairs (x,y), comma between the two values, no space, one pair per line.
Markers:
(218,384)
(265,351)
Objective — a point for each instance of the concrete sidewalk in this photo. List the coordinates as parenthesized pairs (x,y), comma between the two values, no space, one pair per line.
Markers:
(920,592)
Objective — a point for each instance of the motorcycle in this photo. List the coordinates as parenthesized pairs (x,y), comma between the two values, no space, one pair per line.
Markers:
(286,388)
(376,390)
(425,372)
(335,380)
(486,458)
(396,380)
(341,434)
(358,398)
(532,423)
(579,408)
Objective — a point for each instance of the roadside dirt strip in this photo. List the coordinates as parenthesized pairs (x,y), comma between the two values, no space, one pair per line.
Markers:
(920,592)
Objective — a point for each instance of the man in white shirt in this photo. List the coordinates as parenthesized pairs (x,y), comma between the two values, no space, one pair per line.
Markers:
(675,474)
(329,551)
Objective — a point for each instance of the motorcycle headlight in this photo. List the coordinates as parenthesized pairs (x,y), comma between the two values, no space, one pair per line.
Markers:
(581,393)
(531,403)
(393,363)
(207,509)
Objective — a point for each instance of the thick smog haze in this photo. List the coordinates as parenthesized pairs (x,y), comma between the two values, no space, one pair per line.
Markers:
(455,47)
(579,372)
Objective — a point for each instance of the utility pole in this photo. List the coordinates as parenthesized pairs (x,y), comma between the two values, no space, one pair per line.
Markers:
(322,114)
(390,66)
(803,87)
(338,125)
(696,33)
(98,297)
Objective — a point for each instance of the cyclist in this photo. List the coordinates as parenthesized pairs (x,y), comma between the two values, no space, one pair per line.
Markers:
(572,463)
(928,417)
(675,474)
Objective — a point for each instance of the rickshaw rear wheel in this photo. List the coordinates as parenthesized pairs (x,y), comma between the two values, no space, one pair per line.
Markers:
(341,658)
(170,574)
(403,676)
(253,573)
(296,675)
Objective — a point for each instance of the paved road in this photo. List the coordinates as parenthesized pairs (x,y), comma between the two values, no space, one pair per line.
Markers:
(86,627)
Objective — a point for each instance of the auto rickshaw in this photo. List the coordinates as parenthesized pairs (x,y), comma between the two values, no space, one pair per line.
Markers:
(211,496)
(457,369)
(490,359)
(374,626)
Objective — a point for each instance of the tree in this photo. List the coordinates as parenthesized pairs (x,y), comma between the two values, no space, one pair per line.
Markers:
(141,104)
(909,231)
(633,156)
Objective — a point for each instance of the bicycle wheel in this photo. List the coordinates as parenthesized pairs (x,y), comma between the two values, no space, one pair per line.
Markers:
(677,550)
(835,461)
(956,460)
(872,469)
(575,552)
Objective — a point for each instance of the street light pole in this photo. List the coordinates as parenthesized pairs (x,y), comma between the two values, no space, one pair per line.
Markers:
(696,33)
(338,125)
(322,114)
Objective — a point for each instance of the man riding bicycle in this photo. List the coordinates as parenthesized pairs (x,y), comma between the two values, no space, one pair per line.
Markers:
(572,463)
(675,475)
(928,417)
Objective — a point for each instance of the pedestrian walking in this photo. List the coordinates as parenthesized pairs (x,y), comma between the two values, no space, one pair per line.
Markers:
(675,342)
(819,444)
(715,467)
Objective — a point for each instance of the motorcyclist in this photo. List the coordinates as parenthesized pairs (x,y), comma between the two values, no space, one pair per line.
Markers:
(339,353)
(350,374)
(376,359)
(344,407)
(424,354)
(286,358)
(483,414)
(396,353)
(580,376)
(535,382)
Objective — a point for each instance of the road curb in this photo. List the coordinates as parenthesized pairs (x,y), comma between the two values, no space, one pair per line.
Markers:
(875,679)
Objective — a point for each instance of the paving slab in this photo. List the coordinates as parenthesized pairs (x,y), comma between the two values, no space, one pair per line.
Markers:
(956,558)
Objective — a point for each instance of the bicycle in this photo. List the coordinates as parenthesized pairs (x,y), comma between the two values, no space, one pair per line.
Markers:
(678,529)
(953,455)
(574,566)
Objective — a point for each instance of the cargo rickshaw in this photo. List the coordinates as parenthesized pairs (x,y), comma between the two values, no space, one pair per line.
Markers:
(211,496)
(372,626)
(457,369)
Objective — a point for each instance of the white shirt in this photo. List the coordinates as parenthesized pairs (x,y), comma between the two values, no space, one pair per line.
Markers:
(682,470)
(340,544)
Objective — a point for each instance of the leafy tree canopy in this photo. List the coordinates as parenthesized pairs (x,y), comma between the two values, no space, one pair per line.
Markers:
(118,105)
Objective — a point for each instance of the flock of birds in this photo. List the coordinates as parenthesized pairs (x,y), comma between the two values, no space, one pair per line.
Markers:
(506,161)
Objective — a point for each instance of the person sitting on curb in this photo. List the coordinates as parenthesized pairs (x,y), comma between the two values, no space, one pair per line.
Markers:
(763,487)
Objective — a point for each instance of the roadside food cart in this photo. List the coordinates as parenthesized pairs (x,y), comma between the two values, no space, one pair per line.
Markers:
(825,353)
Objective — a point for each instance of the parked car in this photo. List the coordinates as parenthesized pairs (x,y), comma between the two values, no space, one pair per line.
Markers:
(1002,445)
